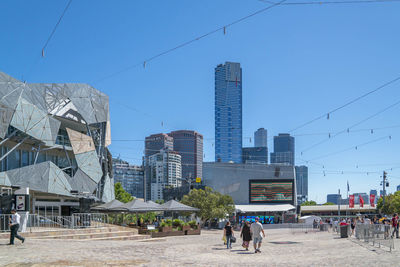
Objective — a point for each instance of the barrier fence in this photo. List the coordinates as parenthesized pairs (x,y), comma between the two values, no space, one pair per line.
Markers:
(375,234)
(308,228)
(35,222)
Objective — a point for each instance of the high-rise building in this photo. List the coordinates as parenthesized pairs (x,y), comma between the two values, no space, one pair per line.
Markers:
(364,196)
(153,144)
(301,183)
(398,188)
(283,149)
(189,144)
(260,138)
(165,170)
(333,198)
(228,112)
(255,155)
(130,176)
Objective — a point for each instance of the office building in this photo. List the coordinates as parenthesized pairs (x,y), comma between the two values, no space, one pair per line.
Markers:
(165,170)
(153,144)
(301,183)
(228,113)
(53,140)
(189,144)
(255,155)
(398,188)
(130,176)
(283,149)
(334,198)
(260,138)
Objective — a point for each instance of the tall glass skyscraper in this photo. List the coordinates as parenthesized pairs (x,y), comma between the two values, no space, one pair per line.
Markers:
(260,138)
(228,112)
(283,149)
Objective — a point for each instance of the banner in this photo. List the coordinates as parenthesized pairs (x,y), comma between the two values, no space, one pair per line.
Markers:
(372,200)
(351,201)
(361,201)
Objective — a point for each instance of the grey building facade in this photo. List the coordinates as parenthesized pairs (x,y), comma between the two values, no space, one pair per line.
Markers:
(153,144)
(333,198)
(255,155)
(53,140)
(235,179)
(189,144)
(130,176)
(302,183)
(284,149)
(261,138)
(228,112)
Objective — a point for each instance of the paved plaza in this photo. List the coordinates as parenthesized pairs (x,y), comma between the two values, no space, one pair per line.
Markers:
(280,248)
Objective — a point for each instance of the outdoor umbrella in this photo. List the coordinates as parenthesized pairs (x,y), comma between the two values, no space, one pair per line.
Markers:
(138,205)
(113,205)
(174,205)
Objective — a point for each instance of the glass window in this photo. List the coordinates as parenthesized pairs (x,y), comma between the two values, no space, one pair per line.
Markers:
(14,159)
(24,158)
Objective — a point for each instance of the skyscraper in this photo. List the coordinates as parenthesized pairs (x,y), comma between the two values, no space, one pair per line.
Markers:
(255,155)
(301,183)
(189,144)
(228,112)
(283,149)
(260,138)
(130,176)
(153,144)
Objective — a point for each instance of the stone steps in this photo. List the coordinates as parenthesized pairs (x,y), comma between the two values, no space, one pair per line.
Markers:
(117,238)
(79,233)
(89,235)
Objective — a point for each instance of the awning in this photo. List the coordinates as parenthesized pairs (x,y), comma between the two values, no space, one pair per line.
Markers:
(264,208)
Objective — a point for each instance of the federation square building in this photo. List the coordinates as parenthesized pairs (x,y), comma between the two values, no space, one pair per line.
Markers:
(53,140)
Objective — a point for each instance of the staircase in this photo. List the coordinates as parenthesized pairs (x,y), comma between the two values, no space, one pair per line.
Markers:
(88,234)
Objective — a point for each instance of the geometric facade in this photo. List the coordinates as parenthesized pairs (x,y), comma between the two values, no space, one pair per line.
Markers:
(54,138)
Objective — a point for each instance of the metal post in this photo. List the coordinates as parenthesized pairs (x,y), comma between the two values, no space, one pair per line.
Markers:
(384,187)
(339,200)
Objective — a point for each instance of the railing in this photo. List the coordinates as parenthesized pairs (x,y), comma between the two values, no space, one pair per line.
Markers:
(375,234)
(307,228)
(35,222)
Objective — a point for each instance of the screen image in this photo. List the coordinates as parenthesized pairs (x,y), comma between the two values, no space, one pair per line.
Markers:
(263,219)
(271,191)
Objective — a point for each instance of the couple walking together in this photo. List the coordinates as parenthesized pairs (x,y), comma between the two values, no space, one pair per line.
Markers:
(247,233)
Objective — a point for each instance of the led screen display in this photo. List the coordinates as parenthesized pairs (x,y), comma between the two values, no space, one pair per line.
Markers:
(264,191)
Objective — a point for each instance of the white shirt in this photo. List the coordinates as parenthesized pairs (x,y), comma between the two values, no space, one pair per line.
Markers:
(15,219)
(256,229)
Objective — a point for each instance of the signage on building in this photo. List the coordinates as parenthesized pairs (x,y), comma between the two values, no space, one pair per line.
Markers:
(271,191)
(20,203)
(198,180)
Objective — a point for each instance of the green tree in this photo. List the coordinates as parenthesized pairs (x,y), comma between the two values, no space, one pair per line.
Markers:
(121,194)
(211,204)
(160,201)
(309,203)
(392,204)
(328,203)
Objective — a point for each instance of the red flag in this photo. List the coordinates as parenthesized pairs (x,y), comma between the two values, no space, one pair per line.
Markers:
(351,201)
(361,201)
(372,200)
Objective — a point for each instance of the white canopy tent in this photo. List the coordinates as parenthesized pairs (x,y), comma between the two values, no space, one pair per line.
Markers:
(264,208)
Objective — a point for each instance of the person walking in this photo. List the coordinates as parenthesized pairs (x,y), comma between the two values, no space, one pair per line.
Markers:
(246,235)
(395,225)
(353,226)
(256,229)
(228,233)
(14,226)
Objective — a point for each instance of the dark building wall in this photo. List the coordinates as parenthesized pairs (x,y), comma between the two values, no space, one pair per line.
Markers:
(189,144)
(283,149)
(255,155)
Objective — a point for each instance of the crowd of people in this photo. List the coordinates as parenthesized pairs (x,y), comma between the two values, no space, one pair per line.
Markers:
(391,225)
(248,232)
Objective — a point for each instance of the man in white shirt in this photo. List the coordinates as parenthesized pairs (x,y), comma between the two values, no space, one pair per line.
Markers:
(14,226)
(256,229)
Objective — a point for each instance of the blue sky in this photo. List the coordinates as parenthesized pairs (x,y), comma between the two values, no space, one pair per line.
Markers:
(298,62)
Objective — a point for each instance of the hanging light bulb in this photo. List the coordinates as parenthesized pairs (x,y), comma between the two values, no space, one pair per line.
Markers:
(43,52)
(144,64)
(356,147)
(327,116)
(329,135)
(372,131)
(250,139)
(348,130)
(224,30)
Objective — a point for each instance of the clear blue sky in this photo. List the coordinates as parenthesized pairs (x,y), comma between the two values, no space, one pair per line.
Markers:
(298,62)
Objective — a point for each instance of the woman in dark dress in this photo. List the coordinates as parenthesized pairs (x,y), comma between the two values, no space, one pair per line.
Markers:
(245,235)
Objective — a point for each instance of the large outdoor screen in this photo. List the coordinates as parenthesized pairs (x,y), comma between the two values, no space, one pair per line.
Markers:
(267,191)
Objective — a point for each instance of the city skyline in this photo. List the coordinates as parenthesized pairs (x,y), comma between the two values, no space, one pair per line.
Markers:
(288,71)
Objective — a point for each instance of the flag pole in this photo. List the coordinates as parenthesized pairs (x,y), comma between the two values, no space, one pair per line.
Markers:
(348,204)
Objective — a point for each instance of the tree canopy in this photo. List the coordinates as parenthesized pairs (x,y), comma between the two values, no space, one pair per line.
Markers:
(121,194)
(328,203)
(309,203)
(392,203)
(212,204)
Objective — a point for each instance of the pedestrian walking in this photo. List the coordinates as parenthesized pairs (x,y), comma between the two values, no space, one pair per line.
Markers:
(246,235)
(228,233)
(14,226)
(256,229)
(395,225)
(353,226)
